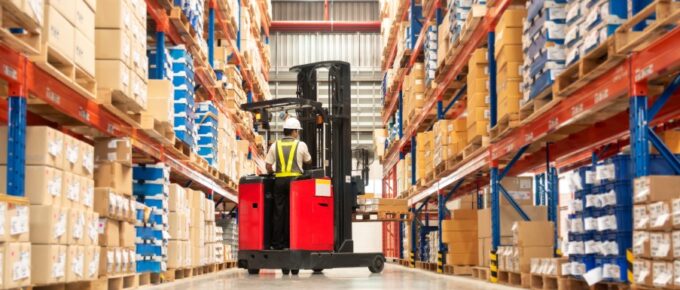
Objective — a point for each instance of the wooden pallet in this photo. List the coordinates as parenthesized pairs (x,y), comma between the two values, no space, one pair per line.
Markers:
(452,162)
(667,15)
(119,104)
(590,66)
(538,105)
(576,284)
(175,274)
(64,69)
(160,131)
(475,144)
(120,282)
(514,279)
(180,149)
(481,273)
(380,216)
(99,284)
(186,31)
(458,270)
(504,126)
(11,17)
(471,24)
(440,170)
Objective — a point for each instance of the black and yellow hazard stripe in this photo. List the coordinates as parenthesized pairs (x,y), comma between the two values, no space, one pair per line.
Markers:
(493,267)
(440,262)
(630,259)
(413,260)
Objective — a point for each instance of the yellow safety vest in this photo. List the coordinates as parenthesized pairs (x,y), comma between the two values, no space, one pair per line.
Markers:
(286,160)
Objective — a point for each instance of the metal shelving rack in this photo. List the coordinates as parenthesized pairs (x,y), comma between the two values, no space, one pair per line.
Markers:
(548,142)
(27,84)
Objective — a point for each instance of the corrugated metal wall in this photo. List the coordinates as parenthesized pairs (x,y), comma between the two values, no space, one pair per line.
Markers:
(361,50)
(347,10)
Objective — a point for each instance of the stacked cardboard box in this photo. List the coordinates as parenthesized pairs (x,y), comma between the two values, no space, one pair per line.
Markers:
(534,239)
(121,61)
(210,231)
(161,105)
(458,12)
(457,137)
(430,52)
(184,95)
(413,90)
(441,130)
(656,245)
(115,206)
(478,95)
(590,23)
(207,122)
(178,227)
(552,267)
(197,227)
(229,227)
(460,235)
(379,136)
(509,60)
(443,40)
(391,205)
(543,45)
(424,155)
(151,189)
(220,253)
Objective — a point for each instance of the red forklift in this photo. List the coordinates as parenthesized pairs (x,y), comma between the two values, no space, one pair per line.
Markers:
(323,199)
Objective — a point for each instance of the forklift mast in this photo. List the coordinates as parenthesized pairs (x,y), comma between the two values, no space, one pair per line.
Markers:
(337,137)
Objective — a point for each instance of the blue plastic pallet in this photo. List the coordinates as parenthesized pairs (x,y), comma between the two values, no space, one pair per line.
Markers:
(149,266)
(148,188)
(151,172)
(148,233)
(149,250)
(623,240)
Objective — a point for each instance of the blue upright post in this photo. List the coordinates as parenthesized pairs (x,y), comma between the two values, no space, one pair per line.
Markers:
(493,97)
(249,97)
(553,201)
(211,37)
(414,161)
(401,240)
(414,248)
(16,144)
(638,136)
(157,73)
(238,32)
(440,110)
(400,125)
(441,214)
(495,222)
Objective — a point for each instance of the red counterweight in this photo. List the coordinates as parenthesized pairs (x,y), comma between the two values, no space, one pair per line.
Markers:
(251,211)
(311,215)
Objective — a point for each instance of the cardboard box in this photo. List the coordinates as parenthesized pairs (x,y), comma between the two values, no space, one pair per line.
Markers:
(109,233)
(75,263)
(675,216)
(479,128)
(92,228)
(71,155)
(127,235)
(661,246)
(659,214)
(108,203)
(508,217)
(640,217)
(92,262)
(117,150)
(178,226)
(175,254)
(84,53)
(114,44)
(675,236)
(459,236)
(197,198)
(48,224)
(520,188)
(84,19)
(44,146)
(16,222)
(75,231)
(43,184)
(641,244)
(662,274)
(159,100)
(114,75)
(48,264)
(71,189)
(466,258)
(16,261)
(118,15)
(34,10)
(655,188)
(65,8)
(138,89)
(533,233)
(177,198)
(107,263)
(58,33)
(642,272)
(114,175)
(87,193)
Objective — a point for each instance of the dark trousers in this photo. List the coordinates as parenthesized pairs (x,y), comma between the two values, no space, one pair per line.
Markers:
(281,214)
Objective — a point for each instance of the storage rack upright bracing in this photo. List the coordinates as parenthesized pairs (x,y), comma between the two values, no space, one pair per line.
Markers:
(26,81)
(562,137)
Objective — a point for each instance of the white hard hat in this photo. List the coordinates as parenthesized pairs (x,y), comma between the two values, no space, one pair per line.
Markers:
(292,123)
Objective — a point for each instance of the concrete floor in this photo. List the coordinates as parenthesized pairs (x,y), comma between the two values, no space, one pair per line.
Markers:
(393,278)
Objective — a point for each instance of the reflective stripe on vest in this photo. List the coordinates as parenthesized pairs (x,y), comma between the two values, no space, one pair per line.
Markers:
(286,160)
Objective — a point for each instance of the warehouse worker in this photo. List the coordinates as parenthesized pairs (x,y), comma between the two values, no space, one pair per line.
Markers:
(288,154)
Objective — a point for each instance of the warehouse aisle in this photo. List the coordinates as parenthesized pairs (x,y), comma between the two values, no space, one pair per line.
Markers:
(393,278)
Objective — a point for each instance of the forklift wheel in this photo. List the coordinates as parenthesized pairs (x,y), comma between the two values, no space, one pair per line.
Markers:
(253,271)
(318,271)
(295,272)
(377,266)
(285,271)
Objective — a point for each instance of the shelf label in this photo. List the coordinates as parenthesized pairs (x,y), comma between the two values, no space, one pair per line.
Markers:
(552,123)
(84,114)
(10,72)
(529,137)
(600,96)
(53,96)
(575,110)
(643,73)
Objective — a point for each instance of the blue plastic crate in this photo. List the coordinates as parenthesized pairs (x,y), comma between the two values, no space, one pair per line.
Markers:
(207,107)
(148,188)
(614,269)
(151,172)
(623,191)
(623,240)
(149,250)
(207,131)
(149,266)
(157,204)
(146,233)
(624,218)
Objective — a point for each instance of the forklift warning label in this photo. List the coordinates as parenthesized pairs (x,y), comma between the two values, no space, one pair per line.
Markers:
(323,187)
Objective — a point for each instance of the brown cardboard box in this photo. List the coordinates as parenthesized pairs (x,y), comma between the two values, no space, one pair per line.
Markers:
(466,258)
(459,236)
(17,228)
(641,244)
(159,100)
(459,225)
(520,188)
(127,235)
(118,15)
(87,193)
(48,224)
(465,214)
(175,254)
(642,272)
(92,228)
(197,198)
(44,146)
(662,274)
(109,233)
(676,275)
(48,264)
(113,44)
(178,226)
(75,231)
(58,32)
(533,233)
(660,215)
(113,150)
(114,175)
(84,20)
(675,208)
(72,161)
(34,10)
(479,100)
(508,217)
(107,261)
(675,236)
(70,189)
(177,199)
(640,217)
(84,53)
(92,262)
(43,184)
(655,188)
(113,74)
(16,261)
(524,255)
(65,8)
(661,246)
(75,263)
(107,203)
